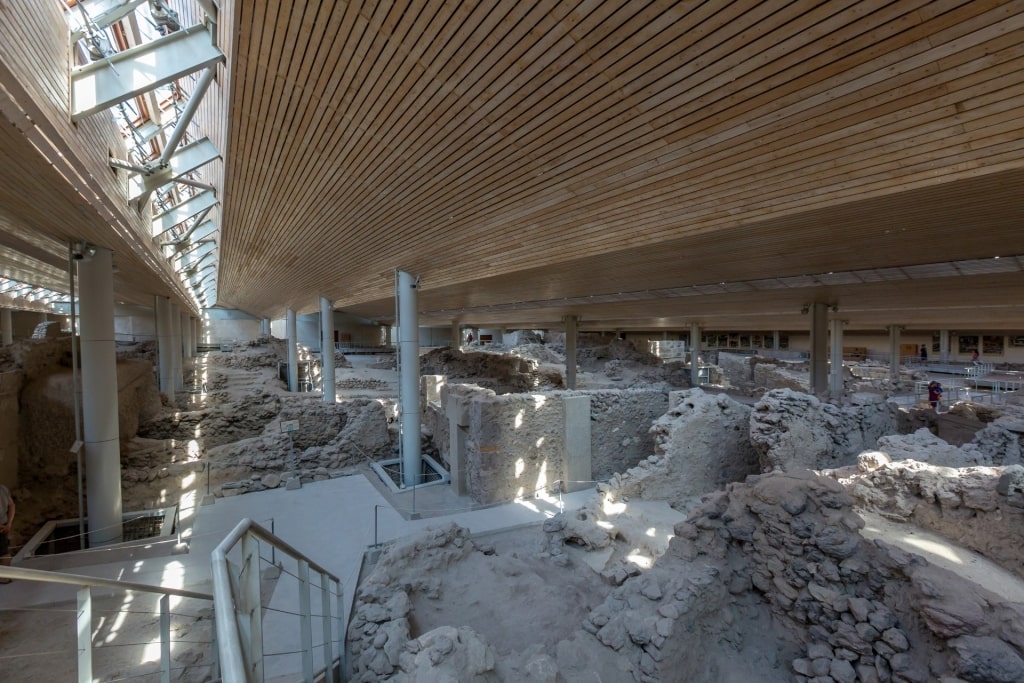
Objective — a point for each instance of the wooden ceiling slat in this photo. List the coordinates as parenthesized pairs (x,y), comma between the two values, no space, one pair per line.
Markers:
(527,136)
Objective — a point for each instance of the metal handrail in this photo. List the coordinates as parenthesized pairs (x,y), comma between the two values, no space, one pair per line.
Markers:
(83,621)
(20,574)
(227,607)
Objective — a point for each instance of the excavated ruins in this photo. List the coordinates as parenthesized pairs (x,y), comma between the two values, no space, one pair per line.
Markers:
(750,534)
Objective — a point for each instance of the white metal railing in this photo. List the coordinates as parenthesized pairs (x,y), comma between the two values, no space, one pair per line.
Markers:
(83,622)
(241,614)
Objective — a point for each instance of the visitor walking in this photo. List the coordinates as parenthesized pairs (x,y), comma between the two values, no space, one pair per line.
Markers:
(6,523)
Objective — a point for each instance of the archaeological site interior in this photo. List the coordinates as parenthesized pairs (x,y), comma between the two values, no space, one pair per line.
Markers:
(529,341)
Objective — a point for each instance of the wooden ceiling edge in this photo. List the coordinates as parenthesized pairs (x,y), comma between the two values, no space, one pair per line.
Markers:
(141,250)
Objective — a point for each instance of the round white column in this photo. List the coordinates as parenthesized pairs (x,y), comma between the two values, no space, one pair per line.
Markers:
(409,380)
(176,359)
(99,394)
(165,344)
(327,348)
(293,352)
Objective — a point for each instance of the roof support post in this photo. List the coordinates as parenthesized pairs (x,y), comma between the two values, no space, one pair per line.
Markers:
(695,355)
(327,349)
(571,325)
(819,348)
(409,375)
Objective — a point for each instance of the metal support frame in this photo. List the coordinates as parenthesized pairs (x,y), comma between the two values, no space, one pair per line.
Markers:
(102,13)
(100,85)
(185,117)
(184,160)
(179,213)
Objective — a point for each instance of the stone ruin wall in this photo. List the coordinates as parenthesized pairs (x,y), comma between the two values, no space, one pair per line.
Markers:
(532,428)
(37,409)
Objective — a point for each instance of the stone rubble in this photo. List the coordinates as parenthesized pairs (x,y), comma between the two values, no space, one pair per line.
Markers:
(768,580)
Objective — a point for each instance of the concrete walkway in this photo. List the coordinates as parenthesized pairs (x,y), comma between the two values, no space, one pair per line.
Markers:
(333,522)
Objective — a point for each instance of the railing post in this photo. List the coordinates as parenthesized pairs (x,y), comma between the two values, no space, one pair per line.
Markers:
(325,610)
(165,638)
(85,634)
(215,648)
(252,605)
(340,594)
(305,622)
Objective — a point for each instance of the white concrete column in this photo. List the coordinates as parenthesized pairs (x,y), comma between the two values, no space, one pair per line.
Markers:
(190,336)
(776,339)
(99,397)
(695,355)
(944,346)
(894,352)
(571,322)
(387,336)
(6,323)
(456,336)
(185,335)
(291,337)
(265,327)
(327,348)
(835,375)
(409,379)
(176,359)
(165,343)
(819,348)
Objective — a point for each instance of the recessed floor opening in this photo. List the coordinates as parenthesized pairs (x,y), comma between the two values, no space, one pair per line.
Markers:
(390,472)
(58,544)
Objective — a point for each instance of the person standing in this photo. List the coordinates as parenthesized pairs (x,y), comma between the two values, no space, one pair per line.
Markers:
(6,523)
(924,354)
(934,394)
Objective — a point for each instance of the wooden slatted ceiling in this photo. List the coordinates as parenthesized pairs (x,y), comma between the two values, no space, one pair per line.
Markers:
(472,142)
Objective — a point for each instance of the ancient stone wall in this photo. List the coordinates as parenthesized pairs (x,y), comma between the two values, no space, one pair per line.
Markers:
(48,418)
(516,443)
(705,439)
(620,428)
(792,430)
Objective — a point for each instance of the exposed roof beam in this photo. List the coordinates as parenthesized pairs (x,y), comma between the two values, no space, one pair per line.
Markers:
(124,75)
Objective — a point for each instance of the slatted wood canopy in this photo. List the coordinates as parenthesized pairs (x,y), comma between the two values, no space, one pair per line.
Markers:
(640,164)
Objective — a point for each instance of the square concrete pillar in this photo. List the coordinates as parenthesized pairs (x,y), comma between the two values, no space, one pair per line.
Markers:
(457,411)
(578,468)
(430,388)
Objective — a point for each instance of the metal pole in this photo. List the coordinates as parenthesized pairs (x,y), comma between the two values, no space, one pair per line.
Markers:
(305,622)
(76,391)
(165,639)
(84,623)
